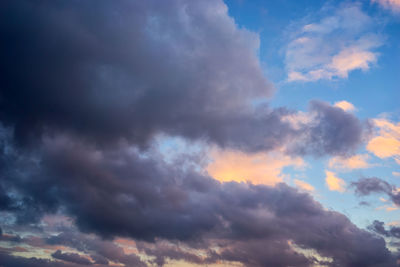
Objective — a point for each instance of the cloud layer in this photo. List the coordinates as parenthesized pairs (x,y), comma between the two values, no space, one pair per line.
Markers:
(85,89)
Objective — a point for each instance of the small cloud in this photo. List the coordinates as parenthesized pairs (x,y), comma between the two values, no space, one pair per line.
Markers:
(394,223)
(345,105)
(386,143)
(387,208)
(392,5)
(350,163)
(303,185)
(334,183)
(396,174)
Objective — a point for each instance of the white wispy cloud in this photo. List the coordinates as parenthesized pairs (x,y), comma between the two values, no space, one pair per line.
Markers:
(392,5)
(331,47)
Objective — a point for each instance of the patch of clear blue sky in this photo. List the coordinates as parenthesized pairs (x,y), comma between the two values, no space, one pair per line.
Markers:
(373,92)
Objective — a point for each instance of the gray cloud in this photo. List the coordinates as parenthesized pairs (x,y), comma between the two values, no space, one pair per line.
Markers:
(132,69)
(367,186)
(379,227)
(71,257)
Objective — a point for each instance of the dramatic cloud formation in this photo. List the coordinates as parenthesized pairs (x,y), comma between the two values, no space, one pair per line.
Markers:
(85,91)
(103,74)
(109,77)
(332,47)
(119,193)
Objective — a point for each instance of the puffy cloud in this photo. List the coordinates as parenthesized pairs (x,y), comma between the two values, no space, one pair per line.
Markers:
(386,142)
(123,81)
(321,135)
(354,162)
(334,183)
(340,42)
(105,70)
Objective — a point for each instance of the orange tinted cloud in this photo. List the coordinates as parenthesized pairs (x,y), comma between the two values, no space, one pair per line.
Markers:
(393,5)
(387,142)
(354,162)
(346,106)
(350,59)
(334,183)
(259,168)
(303,185)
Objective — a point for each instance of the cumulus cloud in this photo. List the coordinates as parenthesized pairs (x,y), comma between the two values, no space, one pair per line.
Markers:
(122,79)
(340,42)
(320,134)
(119,193)
(386,142)
(85,89)
(103,74)
(334,183)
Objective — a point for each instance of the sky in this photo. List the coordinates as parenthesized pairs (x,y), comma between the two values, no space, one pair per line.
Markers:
(199,133)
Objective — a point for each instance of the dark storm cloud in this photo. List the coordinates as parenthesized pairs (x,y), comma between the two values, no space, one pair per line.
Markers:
(132,69)
(125,69)
(8,260)
(367,186)
(119,193)
(379,227)
(101,251)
